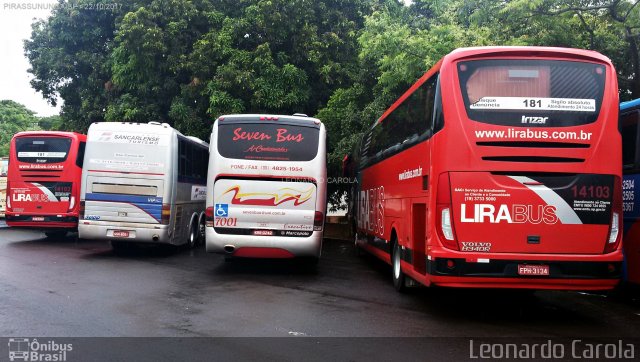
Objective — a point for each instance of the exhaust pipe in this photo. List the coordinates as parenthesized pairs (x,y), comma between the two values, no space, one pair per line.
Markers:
(229,249)
(156,237)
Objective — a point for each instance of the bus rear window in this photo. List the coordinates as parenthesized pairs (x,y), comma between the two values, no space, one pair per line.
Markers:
(268,141)
(42,149)
(532,93)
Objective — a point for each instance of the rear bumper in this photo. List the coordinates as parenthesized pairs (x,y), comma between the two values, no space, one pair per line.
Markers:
(139,233)
(49,221)
(503,273)
(264,246)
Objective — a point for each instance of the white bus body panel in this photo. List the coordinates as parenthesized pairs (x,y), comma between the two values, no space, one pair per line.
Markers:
(130,172)
(286,205)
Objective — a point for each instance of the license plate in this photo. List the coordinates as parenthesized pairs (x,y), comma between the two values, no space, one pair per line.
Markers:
(533,269)
(37,218)
(121,233)
(263,232)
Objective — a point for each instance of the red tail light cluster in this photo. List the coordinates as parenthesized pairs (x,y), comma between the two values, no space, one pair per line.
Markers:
(8,203)
(318,221)
(72,203)
(166,214)
(445,230)
(615,234)
(208,213)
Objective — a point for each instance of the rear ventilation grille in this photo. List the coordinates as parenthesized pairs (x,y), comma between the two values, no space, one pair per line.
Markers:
(532,159)
(526,144)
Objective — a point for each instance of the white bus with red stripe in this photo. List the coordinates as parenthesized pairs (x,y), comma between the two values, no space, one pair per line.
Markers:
(266,187)
(143,183)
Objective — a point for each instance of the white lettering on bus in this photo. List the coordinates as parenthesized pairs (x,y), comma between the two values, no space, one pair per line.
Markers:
(518,214)
(371,210)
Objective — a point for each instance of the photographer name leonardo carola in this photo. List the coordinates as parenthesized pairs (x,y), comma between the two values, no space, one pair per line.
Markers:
(576,349)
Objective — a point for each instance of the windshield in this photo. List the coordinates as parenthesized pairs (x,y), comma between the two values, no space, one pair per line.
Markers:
(268,141)
(42,149)
(529,93)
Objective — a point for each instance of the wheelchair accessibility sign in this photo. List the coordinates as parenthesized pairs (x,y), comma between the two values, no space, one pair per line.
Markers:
(221,210)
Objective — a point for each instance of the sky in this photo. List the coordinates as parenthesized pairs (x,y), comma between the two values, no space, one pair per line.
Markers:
(16,17)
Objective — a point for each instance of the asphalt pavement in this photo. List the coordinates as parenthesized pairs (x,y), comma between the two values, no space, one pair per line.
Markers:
(80,288)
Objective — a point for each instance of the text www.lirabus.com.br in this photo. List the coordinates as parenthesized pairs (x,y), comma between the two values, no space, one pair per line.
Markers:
(512,133)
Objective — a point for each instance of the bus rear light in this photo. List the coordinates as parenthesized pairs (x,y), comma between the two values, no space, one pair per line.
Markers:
(451,264)
(166,214)
(318,221)
(72,203)
(613,235)
(8,201)
(613,241)
(445,230)
(614,231)
(208,214)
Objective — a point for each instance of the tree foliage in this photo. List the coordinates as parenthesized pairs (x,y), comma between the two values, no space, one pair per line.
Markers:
(345,61)
(14,118)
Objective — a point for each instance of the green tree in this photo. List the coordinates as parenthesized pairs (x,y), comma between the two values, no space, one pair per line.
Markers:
(14,118)
(397,45)
(51,123)
(69,56)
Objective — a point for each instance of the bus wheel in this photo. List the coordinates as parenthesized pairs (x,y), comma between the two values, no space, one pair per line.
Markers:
(201,232)
(398,275)
(356,248)
(56,234)
(193,235)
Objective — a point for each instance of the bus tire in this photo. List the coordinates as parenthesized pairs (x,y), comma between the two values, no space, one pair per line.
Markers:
(396,269)
(55,234)
(357,250)
(201,230)
(193,234)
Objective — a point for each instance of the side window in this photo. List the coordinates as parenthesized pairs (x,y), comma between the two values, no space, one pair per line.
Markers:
(182,158)
(80,157)
(193,161)
(629,129)
(438,113)
(410,123)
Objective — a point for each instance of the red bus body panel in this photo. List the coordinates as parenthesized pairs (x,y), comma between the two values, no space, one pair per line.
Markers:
(46,195)
(502,219)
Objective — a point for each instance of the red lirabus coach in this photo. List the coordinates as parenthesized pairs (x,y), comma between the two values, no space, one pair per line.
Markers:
(499,168)
(43,184)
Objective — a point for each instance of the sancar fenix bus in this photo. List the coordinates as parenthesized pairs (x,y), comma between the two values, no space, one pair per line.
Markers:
(267,187)
(499,168)
(143,183)
(629,126)
(43,182)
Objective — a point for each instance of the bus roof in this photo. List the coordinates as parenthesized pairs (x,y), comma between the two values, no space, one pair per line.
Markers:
(630,104)
(269,117)
(462,53)
(50,133)
(157,127)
